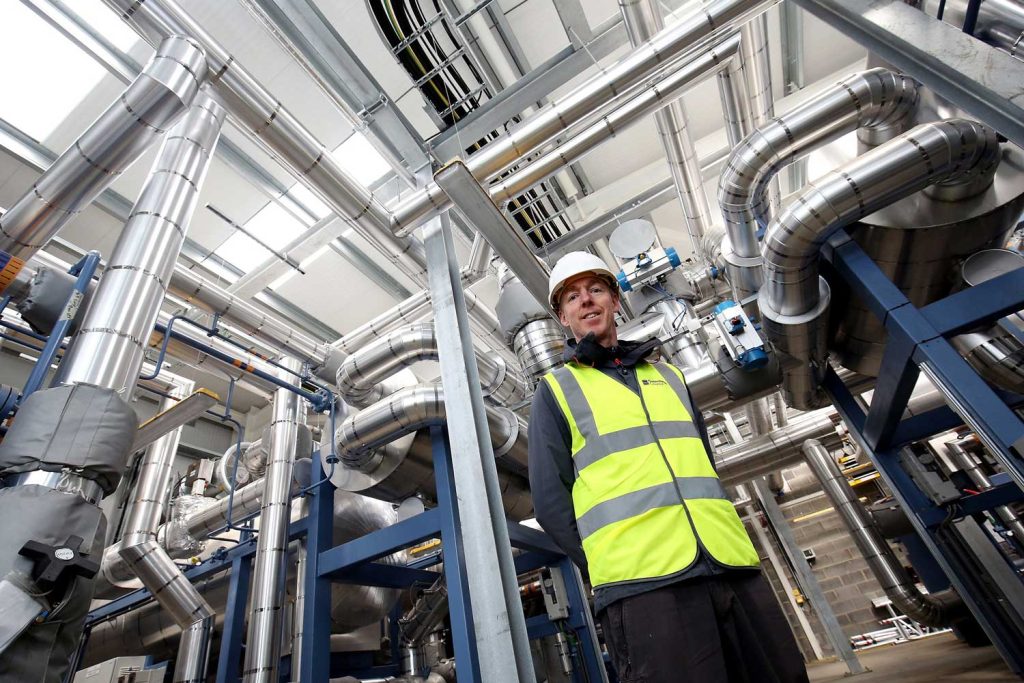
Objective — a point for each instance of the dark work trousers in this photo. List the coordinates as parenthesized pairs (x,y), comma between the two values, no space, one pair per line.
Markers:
(721,629)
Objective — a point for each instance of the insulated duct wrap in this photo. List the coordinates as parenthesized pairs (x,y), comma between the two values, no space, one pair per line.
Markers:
(359,377)
(955,157)
(877,101)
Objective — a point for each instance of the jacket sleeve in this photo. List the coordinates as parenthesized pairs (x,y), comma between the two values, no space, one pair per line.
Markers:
(551,474)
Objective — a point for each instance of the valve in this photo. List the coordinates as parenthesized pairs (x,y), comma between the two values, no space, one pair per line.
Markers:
(738,336)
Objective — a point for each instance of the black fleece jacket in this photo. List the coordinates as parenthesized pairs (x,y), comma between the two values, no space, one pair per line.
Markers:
(551,469)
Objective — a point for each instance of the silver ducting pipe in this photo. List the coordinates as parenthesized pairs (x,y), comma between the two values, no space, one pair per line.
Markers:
(877,100)
(275,128)
(732,92)
(643,20)
(138,556)
(263,642)
(685,349)
(776,449)
(957,157)
(207,296)
(110,344)
(936,609)
(358,439)
(149,630)
(659,99)
(148,107)
(757,70)
(359,377)
(759,418)
(658,53)
(539,345)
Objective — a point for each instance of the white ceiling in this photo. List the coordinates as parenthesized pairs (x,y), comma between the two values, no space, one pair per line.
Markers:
(333,290)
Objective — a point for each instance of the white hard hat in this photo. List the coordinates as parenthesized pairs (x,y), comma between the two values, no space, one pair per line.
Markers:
(573,264)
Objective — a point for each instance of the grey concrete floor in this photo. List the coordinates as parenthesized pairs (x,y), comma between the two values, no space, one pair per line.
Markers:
(938,658)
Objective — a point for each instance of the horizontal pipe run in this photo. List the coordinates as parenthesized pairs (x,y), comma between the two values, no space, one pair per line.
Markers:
(660,52)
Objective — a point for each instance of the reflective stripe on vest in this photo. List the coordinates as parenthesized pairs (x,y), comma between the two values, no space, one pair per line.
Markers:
(646,492)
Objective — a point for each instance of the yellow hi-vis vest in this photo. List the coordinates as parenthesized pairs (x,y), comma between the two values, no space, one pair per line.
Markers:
(646,495)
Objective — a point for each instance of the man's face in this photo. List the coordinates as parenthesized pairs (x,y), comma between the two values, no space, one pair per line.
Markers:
(587,304)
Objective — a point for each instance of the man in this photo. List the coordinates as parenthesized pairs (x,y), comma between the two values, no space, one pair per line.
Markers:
(622,480)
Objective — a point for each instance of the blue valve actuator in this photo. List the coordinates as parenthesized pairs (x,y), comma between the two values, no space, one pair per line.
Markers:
(623,282)
(752,359)
(673,257)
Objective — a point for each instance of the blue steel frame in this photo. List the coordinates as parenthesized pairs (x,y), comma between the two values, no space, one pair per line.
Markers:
(355,562)
(917,337)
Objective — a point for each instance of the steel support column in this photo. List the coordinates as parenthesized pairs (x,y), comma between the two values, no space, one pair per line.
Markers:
(808,582)
(499,626)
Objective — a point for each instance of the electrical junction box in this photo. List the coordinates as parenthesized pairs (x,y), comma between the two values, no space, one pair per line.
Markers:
(556,599)
(809,555)
(123,670)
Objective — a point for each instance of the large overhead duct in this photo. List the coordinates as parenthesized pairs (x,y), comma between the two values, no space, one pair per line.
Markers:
(359,377)
(958,157)
(583,102)
(643,21)
(147,108)
(936,609)
(286,431)
(280,133)
(109,346)
(878,101)
(657,98)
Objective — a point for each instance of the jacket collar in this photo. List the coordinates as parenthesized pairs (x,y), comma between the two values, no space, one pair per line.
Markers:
(588,352)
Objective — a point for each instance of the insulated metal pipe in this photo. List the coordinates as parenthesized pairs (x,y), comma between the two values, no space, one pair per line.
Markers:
(272,126)
(359,377)
(878,99)
(209,297)
(658,98)
(661,51)
(149,106)
(643,20)
(110,345)
(359,436)
(776,449)
(757,70)
(957,157)
(935,609)
(263,642)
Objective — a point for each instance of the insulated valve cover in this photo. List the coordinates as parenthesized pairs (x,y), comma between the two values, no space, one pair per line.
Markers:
(738,336)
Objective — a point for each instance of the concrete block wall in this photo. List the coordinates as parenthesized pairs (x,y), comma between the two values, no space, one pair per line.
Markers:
(844,576)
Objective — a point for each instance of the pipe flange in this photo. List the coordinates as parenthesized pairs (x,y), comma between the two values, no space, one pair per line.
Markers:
(389,457)
(513,421)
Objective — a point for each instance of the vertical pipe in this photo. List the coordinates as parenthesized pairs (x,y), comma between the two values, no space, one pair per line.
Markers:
(110,344)
(757,69)
(643,20)
(149,106)
(936,609)
(263,643)
(732,89)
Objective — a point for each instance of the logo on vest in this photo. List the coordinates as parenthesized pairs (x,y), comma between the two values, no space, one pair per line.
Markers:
(653,382)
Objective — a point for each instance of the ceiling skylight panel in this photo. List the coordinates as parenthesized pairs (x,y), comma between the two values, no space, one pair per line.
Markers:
(358,157)
(45,75)
(272,225)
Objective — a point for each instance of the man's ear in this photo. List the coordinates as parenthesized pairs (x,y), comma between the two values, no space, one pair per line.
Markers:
(618,301)
(562,319)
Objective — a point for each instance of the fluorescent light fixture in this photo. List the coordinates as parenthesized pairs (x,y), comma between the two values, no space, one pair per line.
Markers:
(358,157)
(33,53)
